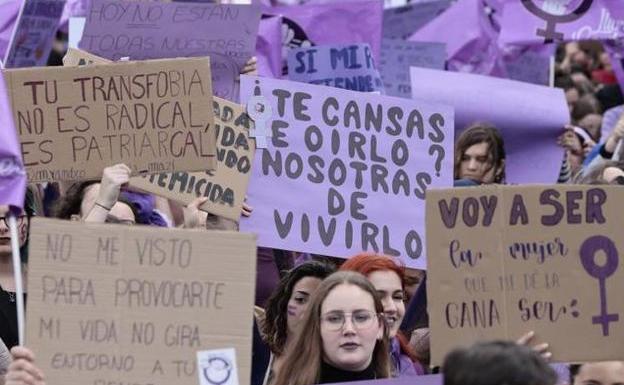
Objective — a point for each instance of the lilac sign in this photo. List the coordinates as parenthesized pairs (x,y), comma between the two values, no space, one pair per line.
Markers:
(397,56)
(31,41)
(12,174)
(526,22)
(402,22)
(9,10)
(350,67)
(530,67)
(269,47)
(530,117)
(152,30)
(346,171)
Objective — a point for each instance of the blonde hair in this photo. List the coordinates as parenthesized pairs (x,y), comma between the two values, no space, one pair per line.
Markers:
(303,358)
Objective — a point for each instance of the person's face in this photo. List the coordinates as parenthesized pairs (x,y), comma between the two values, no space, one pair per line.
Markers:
(388,286)
(120,212)
(413,278)
(601,373)
(298,302)
(592,124)
(350,346)
(572,96)
(476,164)
(5,234)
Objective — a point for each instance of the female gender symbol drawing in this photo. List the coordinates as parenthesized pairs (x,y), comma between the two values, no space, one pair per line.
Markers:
(589,248)
(549,34)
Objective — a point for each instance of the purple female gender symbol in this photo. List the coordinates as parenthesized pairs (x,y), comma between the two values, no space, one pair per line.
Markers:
(589,248)
(549,33)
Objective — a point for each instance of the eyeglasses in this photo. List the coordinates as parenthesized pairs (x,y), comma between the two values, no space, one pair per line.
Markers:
(19,219)
(361,319)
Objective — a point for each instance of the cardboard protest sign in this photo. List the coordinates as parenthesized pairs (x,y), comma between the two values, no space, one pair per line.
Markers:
(76,57)
(135,304)
(349,67)
(350,169)
(506,260)
(525,22)
(397,56)
(401,22)
(529,117)
(224,187)
(153,30)
(33,34)
(75,121)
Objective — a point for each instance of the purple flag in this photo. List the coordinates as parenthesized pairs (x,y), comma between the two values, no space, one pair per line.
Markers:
(345,171)
(152,30)
(12,174)
(350,67)
(397,56)
(530,117)
(347,21)
(402,22)
(546,21)
(8,16)
(34,33)
(528,66)
(615,49)
(73,8)
(269,47)
(470,42)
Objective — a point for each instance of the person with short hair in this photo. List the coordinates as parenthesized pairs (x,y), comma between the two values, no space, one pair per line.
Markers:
(497,363)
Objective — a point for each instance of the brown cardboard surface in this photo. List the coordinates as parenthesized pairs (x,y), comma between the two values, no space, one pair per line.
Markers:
(77,57)
(226,186)
(526,268)
(93,315)
(150,115)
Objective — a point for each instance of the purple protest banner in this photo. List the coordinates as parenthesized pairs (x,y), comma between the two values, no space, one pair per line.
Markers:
(346,171)
(33,34)
(8,16)
(12,174)
(350,67)
(471,42)
(401,22)
(152,30)
(434,379)
(347,21)
(530,117)
(526,22)
(269,47)
(397,56)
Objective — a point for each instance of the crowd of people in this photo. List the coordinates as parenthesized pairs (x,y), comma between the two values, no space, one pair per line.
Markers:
(322,319)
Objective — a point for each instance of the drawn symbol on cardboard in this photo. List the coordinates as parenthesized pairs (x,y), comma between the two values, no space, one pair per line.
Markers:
(589,250)
(217,370)
(550,34)
(260,111)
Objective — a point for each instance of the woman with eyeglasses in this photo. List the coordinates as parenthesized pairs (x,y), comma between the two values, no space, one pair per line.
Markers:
(342,337)
(388,278)
(285,309)
(8,304)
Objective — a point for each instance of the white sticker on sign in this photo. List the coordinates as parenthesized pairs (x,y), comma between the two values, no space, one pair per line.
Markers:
(217,367)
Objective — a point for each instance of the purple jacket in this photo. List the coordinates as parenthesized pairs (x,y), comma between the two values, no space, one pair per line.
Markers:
(402,365)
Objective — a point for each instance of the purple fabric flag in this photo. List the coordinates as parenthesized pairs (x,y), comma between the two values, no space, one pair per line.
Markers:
(433,379)
(528,66)
(269,47)
(153,30)
(529,117)
(615,49)
(402,22)
(73,8)
(350,67)
(546,21)
(471,42)
(346,171)
(34,33)
(12,174)
(8,16)
(397,56)
(347,21)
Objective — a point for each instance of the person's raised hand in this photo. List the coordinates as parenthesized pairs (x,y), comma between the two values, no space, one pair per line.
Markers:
(251,67)
(193,216)
(541,349)
(246,210)
(113,177)
(22,371)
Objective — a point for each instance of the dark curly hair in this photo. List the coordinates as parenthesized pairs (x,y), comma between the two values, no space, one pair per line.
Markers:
(70,204)
(275,327)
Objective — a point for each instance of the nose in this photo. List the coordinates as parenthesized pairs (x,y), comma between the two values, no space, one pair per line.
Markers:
(472,164)
(348,327)
(388,305)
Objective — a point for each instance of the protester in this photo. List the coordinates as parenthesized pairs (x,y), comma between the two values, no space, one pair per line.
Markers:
(285,309)
(598,373)
(496,363)
(343,336)
(480,155)
(388,278)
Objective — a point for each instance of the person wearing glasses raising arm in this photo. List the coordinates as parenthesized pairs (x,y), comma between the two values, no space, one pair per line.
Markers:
(342,337)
